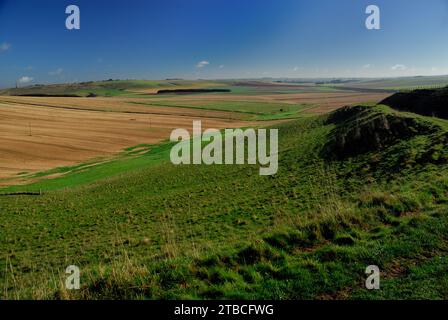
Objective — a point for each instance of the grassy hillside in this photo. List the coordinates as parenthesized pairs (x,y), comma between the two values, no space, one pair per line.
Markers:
(425,102)
(109,88)
(164,231)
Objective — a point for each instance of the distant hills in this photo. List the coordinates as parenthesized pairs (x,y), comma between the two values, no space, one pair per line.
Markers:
(110,88)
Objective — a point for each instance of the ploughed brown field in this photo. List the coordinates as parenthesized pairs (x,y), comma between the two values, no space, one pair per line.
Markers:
(39,136)
(40,133)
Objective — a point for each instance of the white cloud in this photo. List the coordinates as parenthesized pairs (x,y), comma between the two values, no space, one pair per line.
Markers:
(295,69)
(5,46)
(56,72)
(202,64)
(399,67)
(221,66)
(25,79)
(367,66)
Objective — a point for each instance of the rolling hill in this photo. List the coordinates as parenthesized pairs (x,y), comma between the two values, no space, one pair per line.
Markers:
(108,88)
(425,102)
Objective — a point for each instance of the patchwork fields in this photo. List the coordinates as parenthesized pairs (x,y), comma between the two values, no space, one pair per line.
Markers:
(41,133)
(40,137)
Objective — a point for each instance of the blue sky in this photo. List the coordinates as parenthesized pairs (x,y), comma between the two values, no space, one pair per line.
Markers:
(156,39)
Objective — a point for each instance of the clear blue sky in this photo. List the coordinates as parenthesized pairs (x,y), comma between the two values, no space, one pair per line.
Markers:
(157,39)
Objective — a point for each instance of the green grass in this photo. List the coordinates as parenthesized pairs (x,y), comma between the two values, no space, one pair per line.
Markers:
(157,230)
(258,110)
(413,281)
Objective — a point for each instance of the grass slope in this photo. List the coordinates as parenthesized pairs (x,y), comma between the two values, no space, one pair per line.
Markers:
(165,231)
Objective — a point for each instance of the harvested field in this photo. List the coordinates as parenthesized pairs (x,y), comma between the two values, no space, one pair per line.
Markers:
(323,101)
(121,105)
(40,133)
(43,133)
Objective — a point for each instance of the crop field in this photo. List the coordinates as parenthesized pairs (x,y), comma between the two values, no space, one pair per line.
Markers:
(42,133)
(268,102)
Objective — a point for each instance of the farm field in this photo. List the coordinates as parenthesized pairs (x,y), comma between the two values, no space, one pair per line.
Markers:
(48,134)
(42,133)
(313,102)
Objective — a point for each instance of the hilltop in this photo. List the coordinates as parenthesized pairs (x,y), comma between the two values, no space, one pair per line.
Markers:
(428,102)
